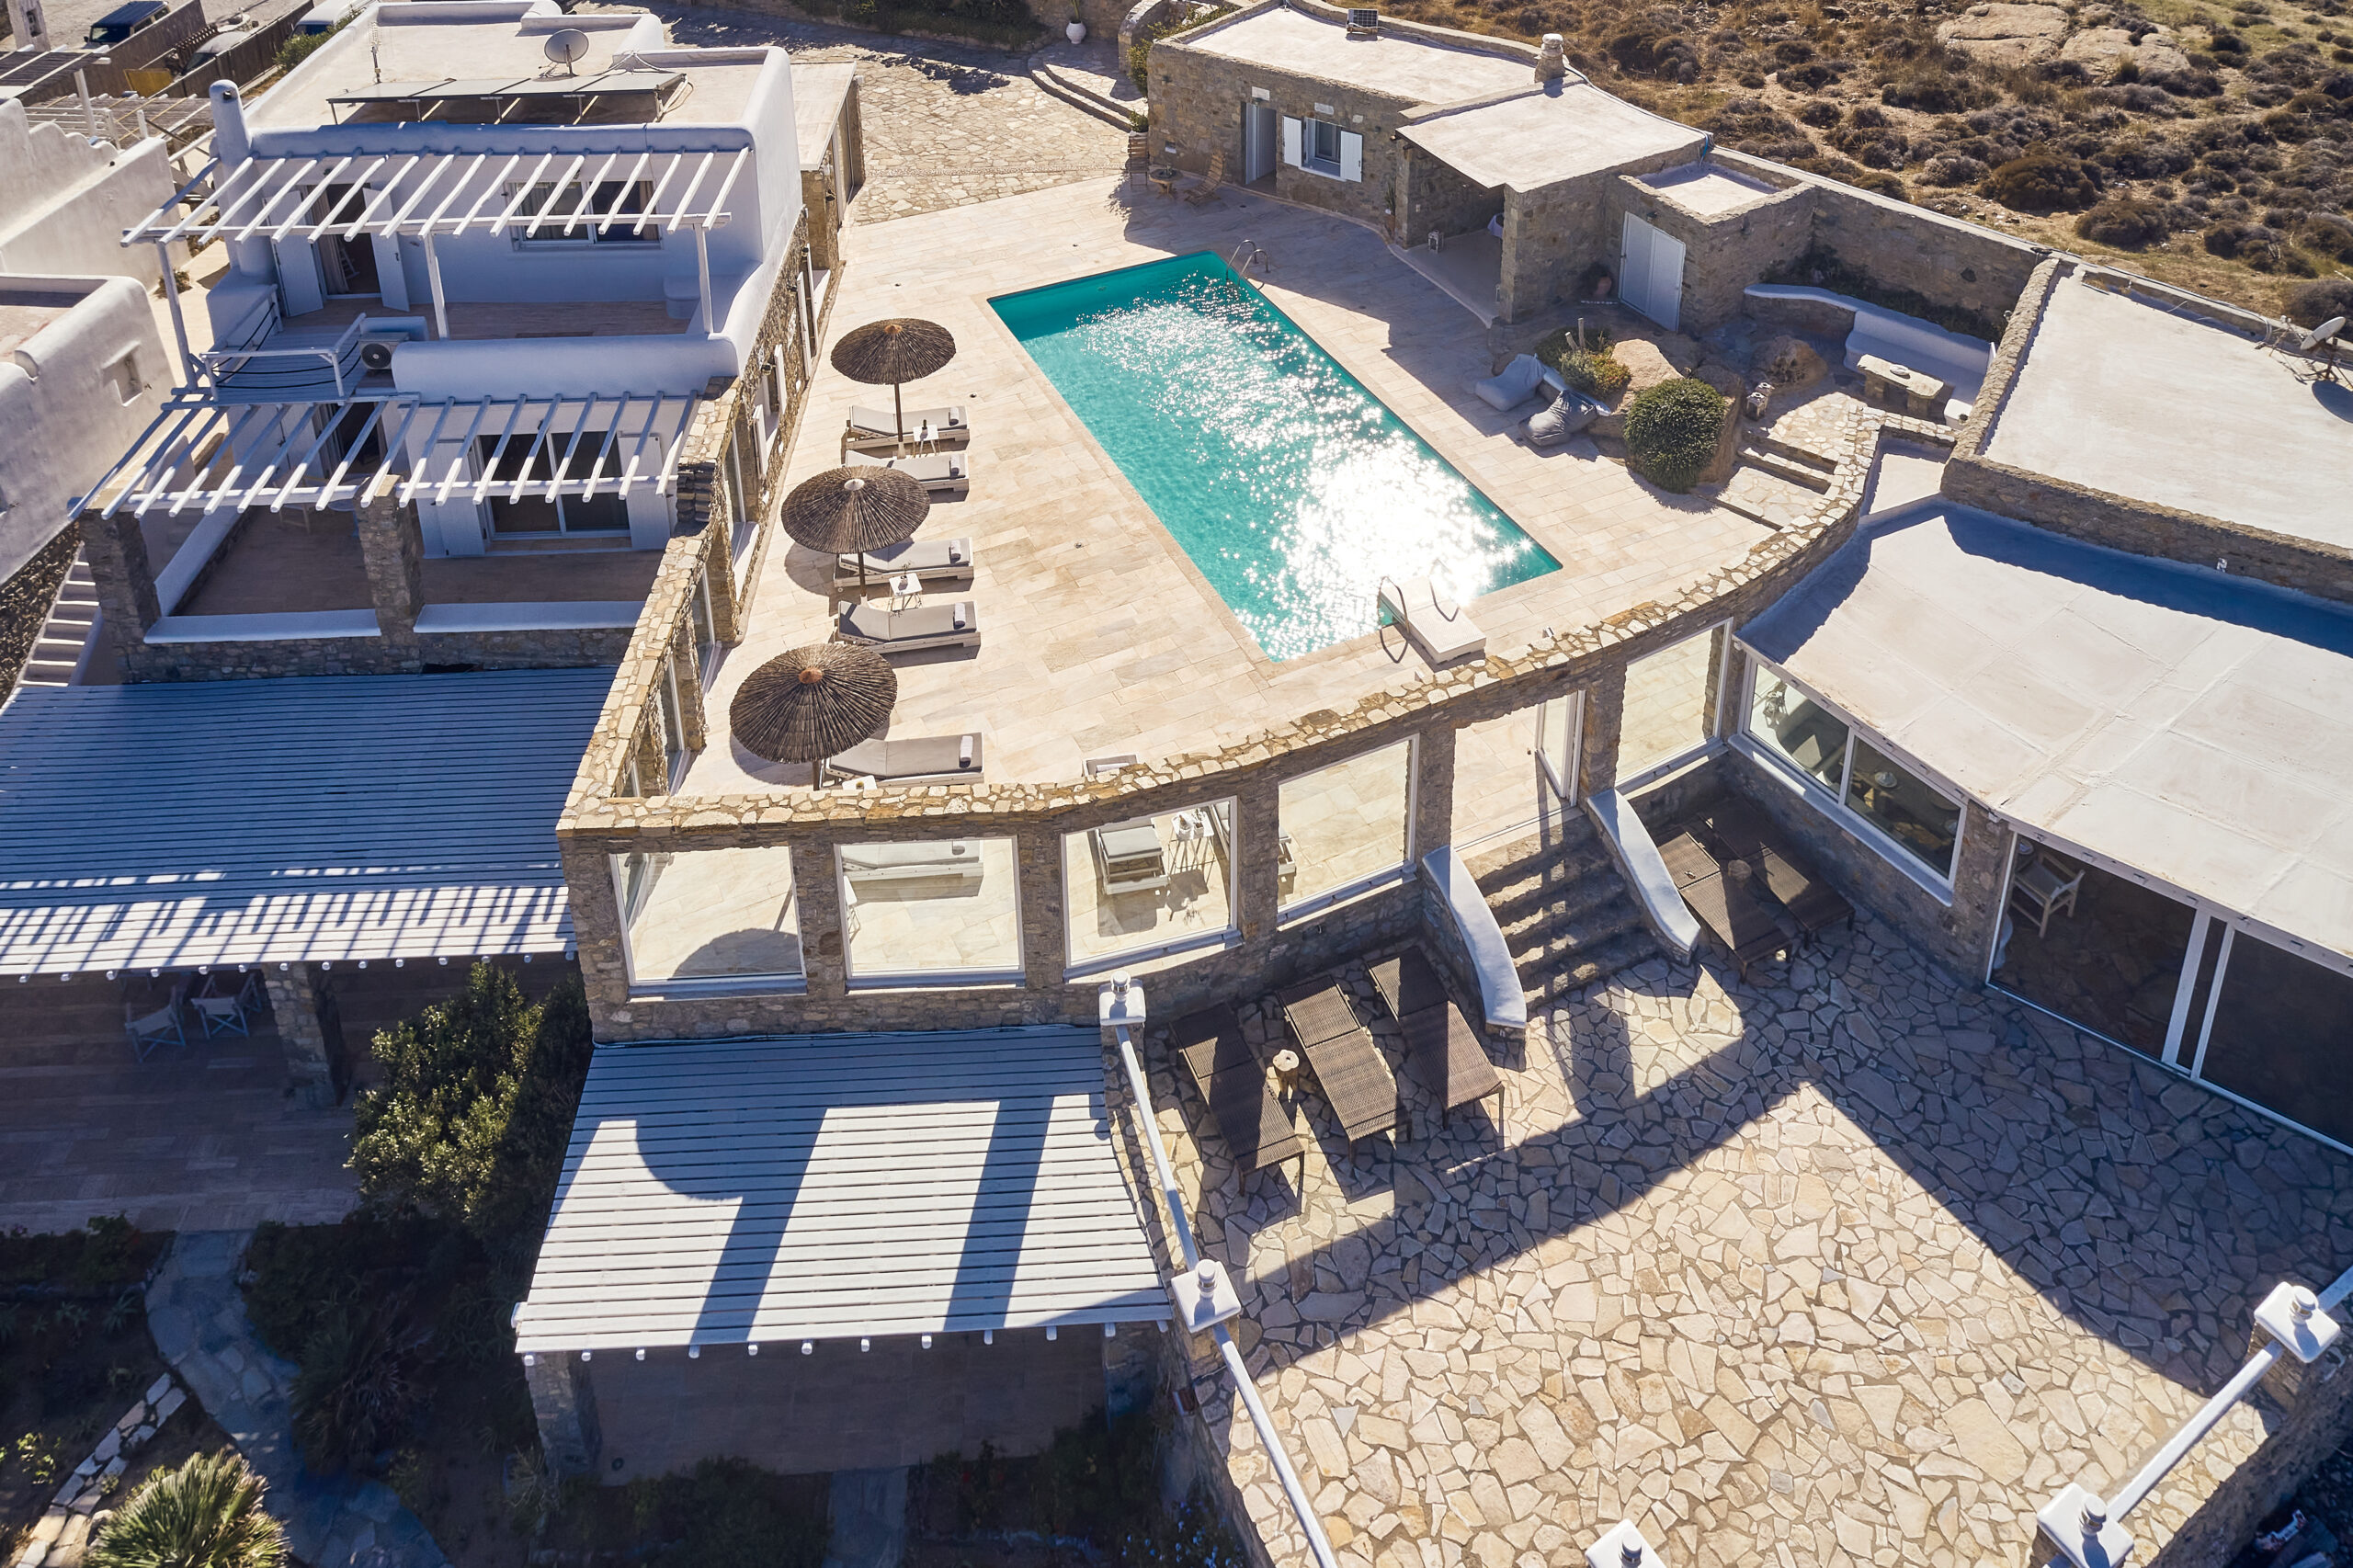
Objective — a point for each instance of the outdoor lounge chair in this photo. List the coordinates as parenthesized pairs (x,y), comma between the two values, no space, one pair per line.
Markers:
(915,860)
(1233,1085)
(1348,1064)
(931,559)
(229,1014)
(956,625)
(935,471)
(1725,901)
(1441,629)
(949,423)
(162,1027)
(1209,183)
(1128,855)
(1515,385)
(1738,830)
(1442,1051)
(921,758)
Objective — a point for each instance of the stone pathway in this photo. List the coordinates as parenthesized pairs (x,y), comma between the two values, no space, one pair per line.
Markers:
(1850,1266)
(945,124)
(197,1317)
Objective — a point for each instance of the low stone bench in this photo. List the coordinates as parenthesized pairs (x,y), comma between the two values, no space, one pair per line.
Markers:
(1922,395)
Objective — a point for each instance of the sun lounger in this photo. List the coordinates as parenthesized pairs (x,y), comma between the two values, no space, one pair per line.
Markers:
(1515,385)
(1128,856)
(956,625)
(1348,1064)
(934,470)
(1442,1051)
(947,424)
(1725,901)
(1233,1085)
(1738,830)
(932,559)
(922,758)
(918,861)
(1441,629)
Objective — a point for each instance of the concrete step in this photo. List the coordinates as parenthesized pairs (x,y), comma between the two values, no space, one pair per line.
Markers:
(1581,967)
(1070,90)
(1566,916)
(61,645)
(1783,467)
(1765,441)
(1587,909)
(1766,497)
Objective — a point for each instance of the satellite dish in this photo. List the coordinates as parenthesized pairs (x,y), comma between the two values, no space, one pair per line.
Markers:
(2319,335)
(567,47)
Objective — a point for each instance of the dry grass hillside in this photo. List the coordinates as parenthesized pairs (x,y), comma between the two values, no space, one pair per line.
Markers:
(2208,145)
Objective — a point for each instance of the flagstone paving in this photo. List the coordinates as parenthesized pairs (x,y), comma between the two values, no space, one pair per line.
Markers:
(1853,1266)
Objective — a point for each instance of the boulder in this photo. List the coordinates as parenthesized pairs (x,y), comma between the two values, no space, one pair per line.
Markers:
(2003,34)
(2096,49)
(1647,364)
(2158,56)
(1727,381)
(1790,363)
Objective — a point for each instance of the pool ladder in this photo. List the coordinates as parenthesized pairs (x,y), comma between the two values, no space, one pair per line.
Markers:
(1246,255)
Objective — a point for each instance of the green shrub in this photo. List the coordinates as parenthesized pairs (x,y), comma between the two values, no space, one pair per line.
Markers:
(471,1122)
(1671,432)
(1931,87)
(2329,234)
(205,1514)
(2124,222)
(359,1382)
(299,46)
(2044,182)
(1598,375)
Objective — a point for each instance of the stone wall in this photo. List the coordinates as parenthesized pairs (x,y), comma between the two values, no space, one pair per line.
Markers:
(2095,516)
(1432,196)
(1724,252)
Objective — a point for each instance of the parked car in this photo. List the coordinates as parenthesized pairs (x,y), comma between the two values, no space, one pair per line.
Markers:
(218,44)
(327,16)
(118,24)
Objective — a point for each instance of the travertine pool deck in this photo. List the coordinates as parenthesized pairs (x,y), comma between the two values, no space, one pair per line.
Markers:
(1098,635)
(1849,1267)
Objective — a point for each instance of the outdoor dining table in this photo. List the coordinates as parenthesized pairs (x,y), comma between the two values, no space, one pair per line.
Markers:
(1725,901)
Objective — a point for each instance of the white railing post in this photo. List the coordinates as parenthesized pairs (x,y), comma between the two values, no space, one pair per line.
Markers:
(1204,1296)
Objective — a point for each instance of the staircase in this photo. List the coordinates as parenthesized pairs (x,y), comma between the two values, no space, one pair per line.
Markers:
(1565,914)
(1777,482)
(63,646)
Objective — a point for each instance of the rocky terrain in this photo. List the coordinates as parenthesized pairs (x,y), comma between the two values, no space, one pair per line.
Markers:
(2208,144)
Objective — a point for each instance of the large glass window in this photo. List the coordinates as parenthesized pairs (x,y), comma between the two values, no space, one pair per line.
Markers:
(578,456)
(2095,948)
(2283,1036)
(931,908)
(710,915)
(1667,705)
(613,199)
(1346,826)
(1909,812)
(1150,885)
(673,729)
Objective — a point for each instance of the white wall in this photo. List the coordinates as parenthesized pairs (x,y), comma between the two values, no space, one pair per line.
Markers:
(65,201)
(65,422)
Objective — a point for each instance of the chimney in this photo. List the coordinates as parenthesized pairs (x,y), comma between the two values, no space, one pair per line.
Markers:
(1551,65)
(231,143)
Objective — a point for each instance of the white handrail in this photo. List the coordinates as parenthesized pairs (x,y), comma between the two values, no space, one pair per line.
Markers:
(1318,1544)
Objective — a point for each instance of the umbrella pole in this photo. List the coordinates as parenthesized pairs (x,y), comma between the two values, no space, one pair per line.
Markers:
(898,414)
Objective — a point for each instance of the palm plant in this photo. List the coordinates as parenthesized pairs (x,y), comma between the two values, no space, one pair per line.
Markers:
(205,1514)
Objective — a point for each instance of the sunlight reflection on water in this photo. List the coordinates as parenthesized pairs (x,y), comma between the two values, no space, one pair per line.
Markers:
(1291,487)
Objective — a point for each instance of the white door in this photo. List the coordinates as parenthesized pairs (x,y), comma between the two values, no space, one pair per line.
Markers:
(1650,272)
(1259,133)
(1292,139)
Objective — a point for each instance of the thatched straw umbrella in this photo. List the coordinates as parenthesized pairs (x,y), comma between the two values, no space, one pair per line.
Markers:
(813,703)
(892,353)
(858,509)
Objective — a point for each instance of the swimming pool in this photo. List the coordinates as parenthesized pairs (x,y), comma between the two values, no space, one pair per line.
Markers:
(1292,488)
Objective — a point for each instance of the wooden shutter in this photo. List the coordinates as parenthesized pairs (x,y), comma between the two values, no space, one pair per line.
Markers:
(1351,156)
(1292,128)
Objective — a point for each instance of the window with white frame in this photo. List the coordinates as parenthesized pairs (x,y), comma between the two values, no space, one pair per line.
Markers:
(1345,828)
(1324,147)
(1900,807)
(1150,885)
(706,628)
(709,917)
(623,202)
(930,910)
(673,729)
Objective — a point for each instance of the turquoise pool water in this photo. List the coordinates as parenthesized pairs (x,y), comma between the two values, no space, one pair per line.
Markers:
(1292,488)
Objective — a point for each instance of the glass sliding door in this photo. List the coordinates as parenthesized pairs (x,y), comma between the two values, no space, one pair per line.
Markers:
(2093,947)
(2281,1036)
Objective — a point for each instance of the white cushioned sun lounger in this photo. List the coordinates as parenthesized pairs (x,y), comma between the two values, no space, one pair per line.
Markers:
(918,861)
(935,471)
(954,625)
(932,559)
(1441,629)
(948,422)
(921,757)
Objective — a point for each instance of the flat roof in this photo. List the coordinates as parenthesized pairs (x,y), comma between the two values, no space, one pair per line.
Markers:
(1563,132)
(180,824)
(818,93)
(1710,189)
(394,46)
(1410,68)
(2119,394)
(2185,725)
(831,1186)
